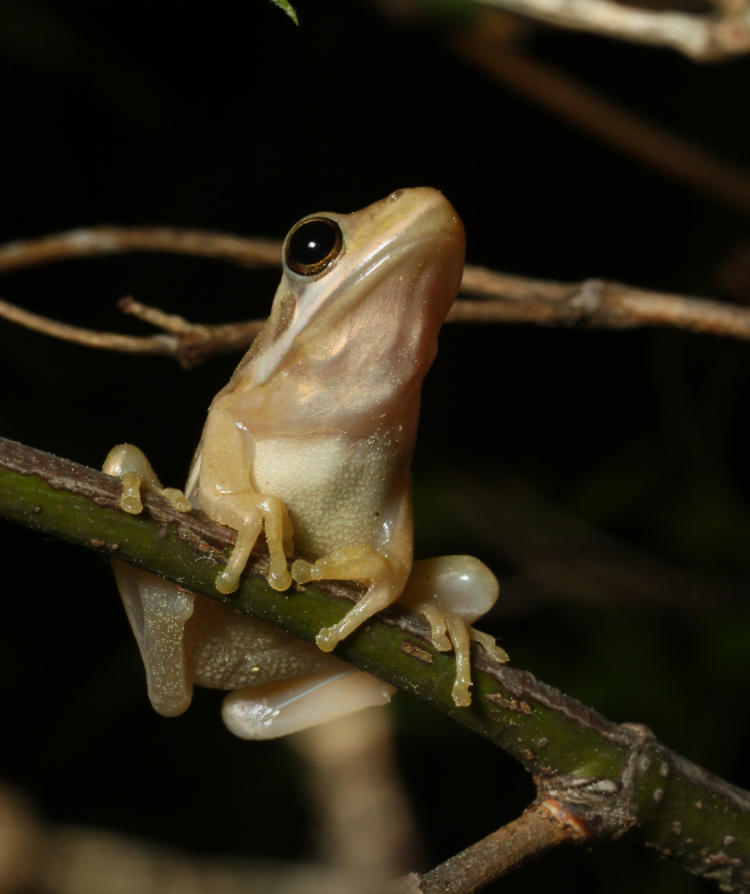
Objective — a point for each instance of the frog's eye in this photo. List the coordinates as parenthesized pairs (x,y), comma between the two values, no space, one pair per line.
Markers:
(312,245)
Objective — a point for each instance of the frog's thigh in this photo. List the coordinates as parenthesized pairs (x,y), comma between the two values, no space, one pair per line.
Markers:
(158,611)
(288,706)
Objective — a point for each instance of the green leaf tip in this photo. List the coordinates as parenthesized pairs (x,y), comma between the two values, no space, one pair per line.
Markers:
(288,9)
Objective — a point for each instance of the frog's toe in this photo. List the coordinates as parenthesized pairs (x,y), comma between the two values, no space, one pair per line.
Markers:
(327,639)
(280,579)
(130,501)
(302,571)
(461,694)
(177,499)
(489,645)
(226,582)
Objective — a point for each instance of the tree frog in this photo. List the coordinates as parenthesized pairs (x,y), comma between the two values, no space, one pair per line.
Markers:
(311,442)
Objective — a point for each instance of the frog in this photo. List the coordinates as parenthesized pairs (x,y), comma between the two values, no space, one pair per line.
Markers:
(311,442)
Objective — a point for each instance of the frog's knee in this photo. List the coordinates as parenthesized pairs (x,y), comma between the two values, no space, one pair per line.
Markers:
(128,462)
(126,458)
(463,584)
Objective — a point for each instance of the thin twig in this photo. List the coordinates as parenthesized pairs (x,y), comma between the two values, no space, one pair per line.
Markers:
(109,240)
(487,46)
(506,298)
(593,303)
(111,341)
(609,778)
(705,38)
(543,826)
(194,341)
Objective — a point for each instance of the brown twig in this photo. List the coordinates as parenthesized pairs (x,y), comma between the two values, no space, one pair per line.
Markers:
(489,46)
(193,341)
(189,344)
(704,38)
(544,826)
(111,341)
(592,303)
(109,240)
(505,298)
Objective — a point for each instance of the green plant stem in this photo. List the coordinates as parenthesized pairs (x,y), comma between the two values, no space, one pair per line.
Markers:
(610,778)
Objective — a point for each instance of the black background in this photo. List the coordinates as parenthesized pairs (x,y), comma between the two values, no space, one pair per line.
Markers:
(225,116)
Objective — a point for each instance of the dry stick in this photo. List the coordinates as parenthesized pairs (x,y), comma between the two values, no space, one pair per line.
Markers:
(112,341)
(107,240)
(542,827)
(189,344)
(487,47)
(509,299)
(594,303)
(609,778)
(701,37)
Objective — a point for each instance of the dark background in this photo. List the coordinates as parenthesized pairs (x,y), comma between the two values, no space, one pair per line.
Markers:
(603,475)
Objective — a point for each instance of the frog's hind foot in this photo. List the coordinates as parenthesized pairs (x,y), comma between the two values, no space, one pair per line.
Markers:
(452,592)
(128,462)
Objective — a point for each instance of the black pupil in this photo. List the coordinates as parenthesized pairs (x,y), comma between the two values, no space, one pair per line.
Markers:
(312,242)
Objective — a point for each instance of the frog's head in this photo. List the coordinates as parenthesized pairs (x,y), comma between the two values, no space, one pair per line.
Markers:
(362,297)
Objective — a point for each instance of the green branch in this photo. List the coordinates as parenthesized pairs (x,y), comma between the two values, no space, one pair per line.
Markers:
(608,778)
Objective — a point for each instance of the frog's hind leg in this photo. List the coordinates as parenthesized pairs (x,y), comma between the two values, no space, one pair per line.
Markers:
(158,611)
(452,592)
(358,562)
(288,706)
(128,462)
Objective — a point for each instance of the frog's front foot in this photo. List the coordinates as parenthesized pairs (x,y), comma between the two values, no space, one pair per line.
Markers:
(303,572)
(259,511)
(129,463)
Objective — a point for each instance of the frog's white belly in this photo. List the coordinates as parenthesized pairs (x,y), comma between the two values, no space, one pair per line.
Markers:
(335,489)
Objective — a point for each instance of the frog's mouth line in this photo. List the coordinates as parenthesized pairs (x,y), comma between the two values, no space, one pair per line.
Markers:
(340,289)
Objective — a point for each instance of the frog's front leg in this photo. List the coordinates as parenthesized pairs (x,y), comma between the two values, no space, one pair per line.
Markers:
(361,561)
(228,494)
(248,513)
(452,592)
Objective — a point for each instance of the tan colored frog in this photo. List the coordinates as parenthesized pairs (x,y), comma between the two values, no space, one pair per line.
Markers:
(311,441)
